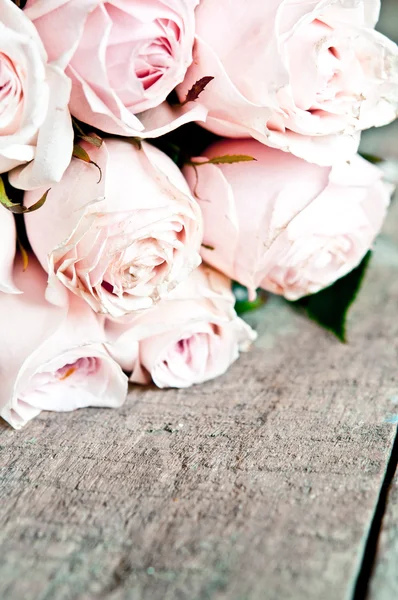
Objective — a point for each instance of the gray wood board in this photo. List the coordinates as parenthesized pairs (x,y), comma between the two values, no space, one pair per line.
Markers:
(384,583)
(259,485)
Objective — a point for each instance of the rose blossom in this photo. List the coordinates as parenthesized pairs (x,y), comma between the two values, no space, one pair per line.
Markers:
(301,76)
(123,243)
(191,336)
(283,224)
(124,59)
(35,124)
(8,239)
(52,358)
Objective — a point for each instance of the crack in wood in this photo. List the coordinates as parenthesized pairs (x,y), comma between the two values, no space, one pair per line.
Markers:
(369,555)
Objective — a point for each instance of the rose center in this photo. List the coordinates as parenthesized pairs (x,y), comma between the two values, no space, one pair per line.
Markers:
(11,96)
(70,374)
(148,47)
(153,61)
(82,368)
(188,355)
(325,73)
(145,264)
(151,270)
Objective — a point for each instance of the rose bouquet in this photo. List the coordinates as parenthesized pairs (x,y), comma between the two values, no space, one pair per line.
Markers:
(158,156)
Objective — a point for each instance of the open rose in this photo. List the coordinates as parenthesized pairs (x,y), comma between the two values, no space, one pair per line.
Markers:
(35,124)
(52,358)
(301,76)
(124,242)
(192,336)
(283,224)
(123,58)
(8,239)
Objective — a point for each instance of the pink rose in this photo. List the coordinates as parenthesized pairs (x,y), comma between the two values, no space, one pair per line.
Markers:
(123,243)
(192,336)
(52,358)
(124,59)
(8,239)
(302,76)
(285,225)
(35,124)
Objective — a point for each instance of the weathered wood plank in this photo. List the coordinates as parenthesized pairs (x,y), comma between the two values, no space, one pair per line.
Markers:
(384,583)
(259,485)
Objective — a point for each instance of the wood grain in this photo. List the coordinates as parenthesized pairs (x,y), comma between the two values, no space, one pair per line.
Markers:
(384,584)
(259,485)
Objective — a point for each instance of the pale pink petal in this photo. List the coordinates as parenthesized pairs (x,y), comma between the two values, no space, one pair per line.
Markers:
(54,358)
(54,144)
(123,242)
(191,336)
(297,227)
(124,59)
(8,244)
(72,15)
(303,77)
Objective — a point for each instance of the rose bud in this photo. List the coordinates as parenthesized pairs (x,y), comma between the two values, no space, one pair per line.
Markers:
(122,243)
(35,125)
(8,239)
(191,336)
(124,59)
(52,358)
(304,77)
(283,224)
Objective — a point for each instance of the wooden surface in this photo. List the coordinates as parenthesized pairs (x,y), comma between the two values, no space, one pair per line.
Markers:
(261,485)
(384,583)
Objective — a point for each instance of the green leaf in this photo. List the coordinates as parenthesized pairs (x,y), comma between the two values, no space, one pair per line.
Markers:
(375,160)
(4,199)
(76,127)
(243,304)
(81,154)
(184,142)
(24,254)
(92,139)
(329,307)
(227,159)
(174,152)
(37,204)
(135,141)
(197,88)
(19,209)
(230,159)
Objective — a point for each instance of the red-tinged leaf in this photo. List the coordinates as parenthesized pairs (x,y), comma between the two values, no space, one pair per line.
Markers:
(197,88)
(81,154)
